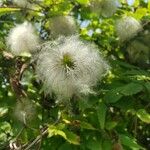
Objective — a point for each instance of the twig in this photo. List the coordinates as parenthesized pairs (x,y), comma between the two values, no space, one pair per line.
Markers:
(23,68)
(37,140)
(19,133)
(39,137)
(135,127)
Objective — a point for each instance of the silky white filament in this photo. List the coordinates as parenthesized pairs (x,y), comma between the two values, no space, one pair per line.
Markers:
(23,38)
(69,66)
(62,25)
(127,28)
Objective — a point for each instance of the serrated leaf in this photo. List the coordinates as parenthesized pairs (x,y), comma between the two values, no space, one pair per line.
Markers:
(101,113)
(129,142)
(86,125)
(143,115)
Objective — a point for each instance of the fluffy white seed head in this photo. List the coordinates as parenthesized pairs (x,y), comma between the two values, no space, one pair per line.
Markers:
(24,111)
(62,25)
(22,3)
(106,8)
(1,2)
(138,52)
(127,28)
(23,39)
(68,67)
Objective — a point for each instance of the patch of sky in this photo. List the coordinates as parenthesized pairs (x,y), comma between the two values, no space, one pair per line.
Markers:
(85,23)
(131,2)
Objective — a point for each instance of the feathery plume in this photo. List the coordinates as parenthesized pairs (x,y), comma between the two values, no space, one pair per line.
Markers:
(68,66)
(106,8)
(22,3)
(62,25)
(24,111)
(138,52)
(1,2)
(23,39)
(127,28)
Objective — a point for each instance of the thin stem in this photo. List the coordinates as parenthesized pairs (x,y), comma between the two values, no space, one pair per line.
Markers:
(37,140)
(39,137)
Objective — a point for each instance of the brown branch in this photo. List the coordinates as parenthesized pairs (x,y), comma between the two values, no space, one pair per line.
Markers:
(16,76)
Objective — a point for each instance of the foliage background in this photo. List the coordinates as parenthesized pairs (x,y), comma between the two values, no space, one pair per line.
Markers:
(116,118)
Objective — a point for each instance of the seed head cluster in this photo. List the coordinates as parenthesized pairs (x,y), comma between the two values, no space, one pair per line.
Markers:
(127,28)
(66,65)
(22,38)
(22,3)
(62,25)
(106,8)
(24,111)
(69,66)
(138,52)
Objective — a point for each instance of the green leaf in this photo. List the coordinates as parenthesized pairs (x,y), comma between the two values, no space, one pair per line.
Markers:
(107,145)
(8,10)
(147,85)
(129,142)
(67,135)
(94,144)
(72,138)
(148,6)
(3,111)
(110,125)
(112,96)
(123,64)
(143,115)
(136,3)
(83,1)
(65,146)
(136,72)
(131,89)
(2,45)
(101,113)
(52,130)
(140,12)
(127,90)
(5,126)
(86,125)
